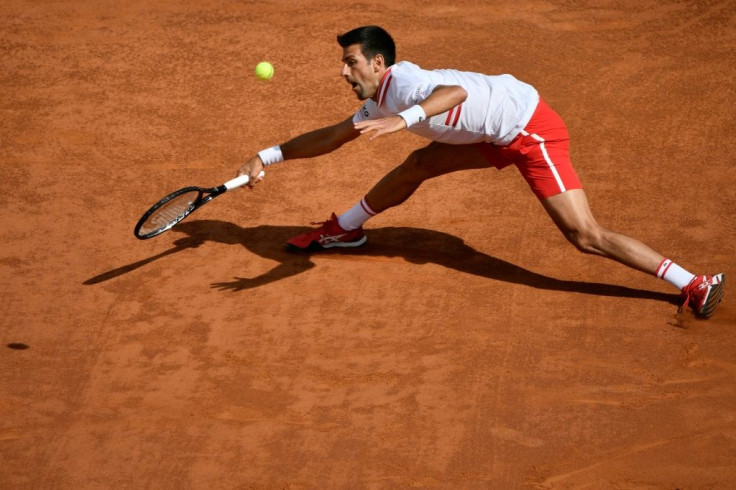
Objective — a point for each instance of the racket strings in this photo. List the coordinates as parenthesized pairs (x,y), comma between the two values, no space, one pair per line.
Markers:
(170,213)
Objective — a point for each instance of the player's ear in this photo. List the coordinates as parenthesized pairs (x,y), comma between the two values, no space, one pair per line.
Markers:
(378,62)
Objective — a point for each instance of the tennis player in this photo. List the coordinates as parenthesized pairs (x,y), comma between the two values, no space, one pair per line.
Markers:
(474,121)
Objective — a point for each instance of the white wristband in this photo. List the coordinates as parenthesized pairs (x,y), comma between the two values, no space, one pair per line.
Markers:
(413,115)
(271,155)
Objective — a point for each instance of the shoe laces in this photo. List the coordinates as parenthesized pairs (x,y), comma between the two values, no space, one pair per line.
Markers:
(691,288)
(323,224)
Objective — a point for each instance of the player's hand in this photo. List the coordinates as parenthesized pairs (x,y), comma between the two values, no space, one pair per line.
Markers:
(386,125)
(252,168)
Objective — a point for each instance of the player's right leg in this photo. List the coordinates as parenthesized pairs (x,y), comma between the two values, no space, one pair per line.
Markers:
(423,164)
(396,187)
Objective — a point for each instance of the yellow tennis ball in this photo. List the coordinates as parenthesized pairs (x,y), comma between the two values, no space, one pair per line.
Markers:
(264,70)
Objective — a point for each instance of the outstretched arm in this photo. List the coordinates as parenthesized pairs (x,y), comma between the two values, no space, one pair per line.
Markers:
(320,141)
(442,99)
(307,145)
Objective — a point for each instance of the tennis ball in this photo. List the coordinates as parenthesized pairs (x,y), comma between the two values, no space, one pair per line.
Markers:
(264,70)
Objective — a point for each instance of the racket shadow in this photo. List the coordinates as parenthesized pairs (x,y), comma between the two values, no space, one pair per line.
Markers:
(415,245)
(261,240)
(179,245)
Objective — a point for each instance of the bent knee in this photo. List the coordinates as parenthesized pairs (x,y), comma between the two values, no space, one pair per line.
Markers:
(419,165)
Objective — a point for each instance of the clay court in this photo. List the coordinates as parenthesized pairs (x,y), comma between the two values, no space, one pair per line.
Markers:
(467,345)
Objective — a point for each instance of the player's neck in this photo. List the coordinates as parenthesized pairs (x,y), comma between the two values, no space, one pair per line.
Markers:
(383,77)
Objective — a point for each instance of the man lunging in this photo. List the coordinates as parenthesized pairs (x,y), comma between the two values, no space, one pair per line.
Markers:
(474,121)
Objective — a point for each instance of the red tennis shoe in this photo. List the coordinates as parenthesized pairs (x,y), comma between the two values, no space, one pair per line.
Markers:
(704,293)
(328,235)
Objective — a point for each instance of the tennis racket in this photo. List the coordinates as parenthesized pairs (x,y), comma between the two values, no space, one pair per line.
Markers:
(178,205)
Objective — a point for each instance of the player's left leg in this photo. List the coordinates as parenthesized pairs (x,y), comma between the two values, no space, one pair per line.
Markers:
(545,164)
(571,213)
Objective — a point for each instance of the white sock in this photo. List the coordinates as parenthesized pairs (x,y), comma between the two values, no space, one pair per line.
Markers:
(354,218)
(674,274)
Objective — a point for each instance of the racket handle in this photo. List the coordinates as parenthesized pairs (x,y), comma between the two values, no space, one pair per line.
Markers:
(240,181)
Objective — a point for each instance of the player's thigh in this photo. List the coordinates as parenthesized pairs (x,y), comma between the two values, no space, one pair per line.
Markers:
(570,211)
(441,158)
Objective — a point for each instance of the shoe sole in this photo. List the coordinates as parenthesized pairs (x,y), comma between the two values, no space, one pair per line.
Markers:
(715,295)
(356,243)
(316,246)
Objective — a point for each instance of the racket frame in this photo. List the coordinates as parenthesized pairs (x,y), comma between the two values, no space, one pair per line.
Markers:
(205,196)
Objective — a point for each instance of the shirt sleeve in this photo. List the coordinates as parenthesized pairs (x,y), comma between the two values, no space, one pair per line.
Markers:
(412,85)
(408,85)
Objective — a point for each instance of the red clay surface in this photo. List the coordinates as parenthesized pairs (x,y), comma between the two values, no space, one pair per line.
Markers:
(468,345)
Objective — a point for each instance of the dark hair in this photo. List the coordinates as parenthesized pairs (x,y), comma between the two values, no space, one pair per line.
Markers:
(373,40)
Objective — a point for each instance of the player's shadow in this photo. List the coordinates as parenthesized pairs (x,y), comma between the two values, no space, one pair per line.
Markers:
(415,245)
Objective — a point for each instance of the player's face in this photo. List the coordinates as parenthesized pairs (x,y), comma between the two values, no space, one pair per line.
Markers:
(362,74)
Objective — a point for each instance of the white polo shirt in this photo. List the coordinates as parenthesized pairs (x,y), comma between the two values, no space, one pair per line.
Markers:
(496,110)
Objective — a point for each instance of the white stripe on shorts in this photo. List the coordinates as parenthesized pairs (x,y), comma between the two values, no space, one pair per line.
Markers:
(547,159)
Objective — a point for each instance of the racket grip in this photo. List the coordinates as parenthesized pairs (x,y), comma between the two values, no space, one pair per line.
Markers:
(240,181)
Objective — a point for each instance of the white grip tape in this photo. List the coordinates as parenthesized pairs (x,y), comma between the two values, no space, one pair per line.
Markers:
(240,181)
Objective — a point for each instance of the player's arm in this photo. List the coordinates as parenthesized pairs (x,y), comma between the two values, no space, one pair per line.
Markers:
(320,141)
(308,145)
(442,99)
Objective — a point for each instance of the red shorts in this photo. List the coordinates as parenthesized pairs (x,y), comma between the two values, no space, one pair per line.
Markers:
(541,152)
